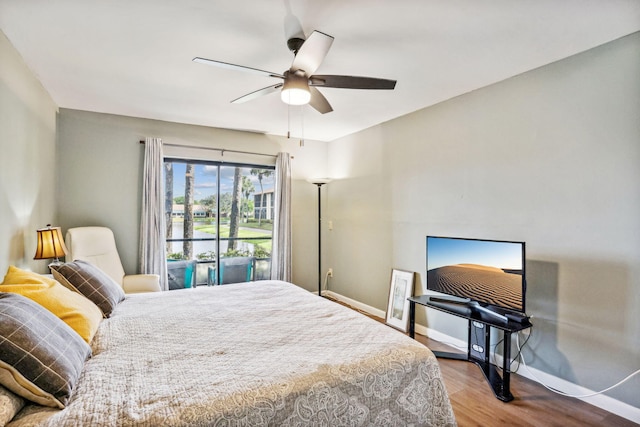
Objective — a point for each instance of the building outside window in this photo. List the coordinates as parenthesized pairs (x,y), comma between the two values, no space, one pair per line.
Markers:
(263,211)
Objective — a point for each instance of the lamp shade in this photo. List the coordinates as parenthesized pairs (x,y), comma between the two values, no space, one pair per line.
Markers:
(295,90)
(50,243)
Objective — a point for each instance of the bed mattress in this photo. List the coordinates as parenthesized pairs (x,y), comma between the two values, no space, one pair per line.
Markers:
(251,354)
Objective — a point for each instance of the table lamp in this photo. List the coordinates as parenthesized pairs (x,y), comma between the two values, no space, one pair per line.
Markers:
(50,244)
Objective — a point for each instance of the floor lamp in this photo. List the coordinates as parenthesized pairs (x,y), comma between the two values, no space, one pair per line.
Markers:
(319,182)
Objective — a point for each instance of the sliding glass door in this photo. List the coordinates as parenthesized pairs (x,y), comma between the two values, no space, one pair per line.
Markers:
(219,220)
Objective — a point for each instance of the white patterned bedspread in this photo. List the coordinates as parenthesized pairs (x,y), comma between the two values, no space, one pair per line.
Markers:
(257,354)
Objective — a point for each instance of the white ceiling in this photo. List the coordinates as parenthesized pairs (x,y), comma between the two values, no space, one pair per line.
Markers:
(134,57)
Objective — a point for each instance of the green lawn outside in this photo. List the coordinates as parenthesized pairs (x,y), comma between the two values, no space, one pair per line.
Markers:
(265,225)
(224,232)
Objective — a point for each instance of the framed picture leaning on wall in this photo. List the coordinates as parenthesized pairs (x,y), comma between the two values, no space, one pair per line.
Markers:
(400,289)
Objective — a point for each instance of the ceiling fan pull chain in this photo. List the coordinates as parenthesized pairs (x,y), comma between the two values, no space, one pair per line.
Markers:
(288,121)
(302,126)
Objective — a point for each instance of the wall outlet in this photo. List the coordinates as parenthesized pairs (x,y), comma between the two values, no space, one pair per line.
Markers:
(330,272)
(330,225)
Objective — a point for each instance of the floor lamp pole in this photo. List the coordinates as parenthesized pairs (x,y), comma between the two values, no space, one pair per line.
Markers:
(319,184)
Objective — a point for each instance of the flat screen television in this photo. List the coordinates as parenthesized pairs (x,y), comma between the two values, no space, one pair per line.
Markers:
(485,273)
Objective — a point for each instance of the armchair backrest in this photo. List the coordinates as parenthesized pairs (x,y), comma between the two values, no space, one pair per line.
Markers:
(95,245)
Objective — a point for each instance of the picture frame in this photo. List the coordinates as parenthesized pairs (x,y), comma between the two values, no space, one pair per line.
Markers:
(400,288)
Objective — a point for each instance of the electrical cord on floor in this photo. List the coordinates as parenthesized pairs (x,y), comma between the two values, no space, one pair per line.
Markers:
(578,396)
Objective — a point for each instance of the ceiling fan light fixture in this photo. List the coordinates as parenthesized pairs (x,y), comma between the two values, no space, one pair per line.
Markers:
(295,90)
(299,83)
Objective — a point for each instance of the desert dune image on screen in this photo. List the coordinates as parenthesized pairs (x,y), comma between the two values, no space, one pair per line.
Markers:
(485,271)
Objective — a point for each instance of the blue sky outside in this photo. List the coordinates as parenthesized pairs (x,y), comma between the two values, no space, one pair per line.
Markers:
(205,180)
(446,251)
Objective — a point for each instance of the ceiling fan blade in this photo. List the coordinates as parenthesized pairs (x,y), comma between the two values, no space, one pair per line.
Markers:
(312,53)
(236,67)
(319,102)
(257,94)
(352,82)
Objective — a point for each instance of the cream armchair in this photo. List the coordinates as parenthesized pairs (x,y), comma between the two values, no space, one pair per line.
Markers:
(97,246)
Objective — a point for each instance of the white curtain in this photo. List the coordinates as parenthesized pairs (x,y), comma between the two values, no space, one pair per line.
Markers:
(281,251)
(152,223)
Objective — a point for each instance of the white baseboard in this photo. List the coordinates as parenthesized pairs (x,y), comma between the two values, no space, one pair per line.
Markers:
(602,401)
(355,304)
(440,337)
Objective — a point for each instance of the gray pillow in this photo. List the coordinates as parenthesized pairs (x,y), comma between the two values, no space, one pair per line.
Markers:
(90,281)
(41,357)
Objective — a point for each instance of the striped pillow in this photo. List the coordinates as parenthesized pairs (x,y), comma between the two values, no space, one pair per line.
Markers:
(90,281)
(72,308)
(41,357)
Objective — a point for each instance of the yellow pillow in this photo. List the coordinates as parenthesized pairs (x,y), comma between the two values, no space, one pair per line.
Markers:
(71,307)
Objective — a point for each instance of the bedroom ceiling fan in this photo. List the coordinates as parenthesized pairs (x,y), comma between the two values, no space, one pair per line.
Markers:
(299,84)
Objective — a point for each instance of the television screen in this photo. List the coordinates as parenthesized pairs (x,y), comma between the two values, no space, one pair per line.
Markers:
(487,271)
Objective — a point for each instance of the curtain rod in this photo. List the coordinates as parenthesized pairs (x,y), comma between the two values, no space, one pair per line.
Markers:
(221,150)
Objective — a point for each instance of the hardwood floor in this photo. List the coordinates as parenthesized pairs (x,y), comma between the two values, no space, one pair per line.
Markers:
(475,405)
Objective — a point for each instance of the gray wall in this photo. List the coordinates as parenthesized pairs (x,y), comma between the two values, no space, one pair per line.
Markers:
(550,157)
(100,177)
(27,161)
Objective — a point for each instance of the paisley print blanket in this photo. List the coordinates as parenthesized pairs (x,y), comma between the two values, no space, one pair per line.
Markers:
(253,354)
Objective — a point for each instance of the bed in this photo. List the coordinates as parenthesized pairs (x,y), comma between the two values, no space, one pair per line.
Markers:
(250,354)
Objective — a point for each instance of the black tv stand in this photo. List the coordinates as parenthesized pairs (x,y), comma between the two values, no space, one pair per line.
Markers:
(478,345)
